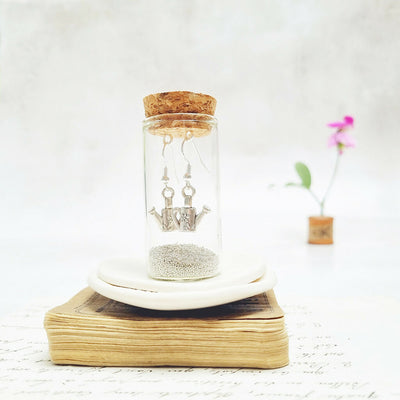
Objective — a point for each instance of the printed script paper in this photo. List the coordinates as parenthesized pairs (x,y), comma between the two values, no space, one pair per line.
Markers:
(338,350)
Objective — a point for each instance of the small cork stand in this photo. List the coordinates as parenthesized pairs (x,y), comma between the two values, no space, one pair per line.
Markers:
(176,113)
(320,230)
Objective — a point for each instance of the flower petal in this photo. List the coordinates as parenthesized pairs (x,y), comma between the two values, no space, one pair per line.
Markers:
(348,141)
(349,120)
(332,141)
(338,124)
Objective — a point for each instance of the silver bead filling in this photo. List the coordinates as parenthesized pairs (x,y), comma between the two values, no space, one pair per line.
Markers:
(182,261)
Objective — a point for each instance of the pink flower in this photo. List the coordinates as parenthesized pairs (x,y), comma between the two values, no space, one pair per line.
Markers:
(340,138)
(348,122)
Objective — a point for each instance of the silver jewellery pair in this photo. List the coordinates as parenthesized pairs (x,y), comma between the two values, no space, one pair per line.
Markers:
(184,218)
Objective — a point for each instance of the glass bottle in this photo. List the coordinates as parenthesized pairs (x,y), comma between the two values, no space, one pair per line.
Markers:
(182,196)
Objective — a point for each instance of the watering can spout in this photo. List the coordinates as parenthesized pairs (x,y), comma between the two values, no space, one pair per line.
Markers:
(200,216)
(157,216)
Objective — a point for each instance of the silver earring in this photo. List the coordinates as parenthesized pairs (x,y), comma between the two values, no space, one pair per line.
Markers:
(166,219)
(185,218)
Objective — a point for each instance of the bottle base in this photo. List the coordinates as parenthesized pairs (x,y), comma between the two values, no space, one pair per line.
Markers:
(160,278)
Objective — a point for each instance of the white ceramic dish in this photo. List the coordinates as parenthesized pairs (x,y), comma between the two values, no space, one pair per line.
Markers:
(131,273)
(183,300)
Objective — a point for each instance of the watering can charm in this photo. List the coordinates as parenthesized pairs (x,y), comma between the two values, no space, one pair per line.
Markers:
(165,220)
(185,218)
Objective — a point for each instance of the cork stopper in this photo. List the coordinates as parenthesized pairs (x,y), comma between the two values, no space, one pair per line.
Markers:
(179,102)
(178,113)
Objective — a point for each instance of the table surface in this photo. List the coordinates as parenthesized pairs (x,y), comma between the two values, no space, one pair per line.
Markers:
(342,304)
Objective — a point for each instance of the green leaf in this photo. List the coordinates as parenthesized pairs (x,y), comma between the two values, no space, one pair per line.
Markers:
(304,174)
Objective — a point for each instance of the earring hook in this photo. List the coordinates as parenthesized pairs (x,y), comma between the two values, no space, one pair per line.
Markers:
(188,138)
(166,142)
(167,139)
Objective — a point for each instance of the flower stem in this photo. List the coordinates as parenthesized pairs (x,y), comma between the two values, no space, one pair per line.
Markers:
(314,196)
(322,204)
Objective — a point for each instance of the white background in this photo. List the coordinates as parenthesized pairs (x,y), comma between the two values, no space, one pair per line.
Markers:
(73,75)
